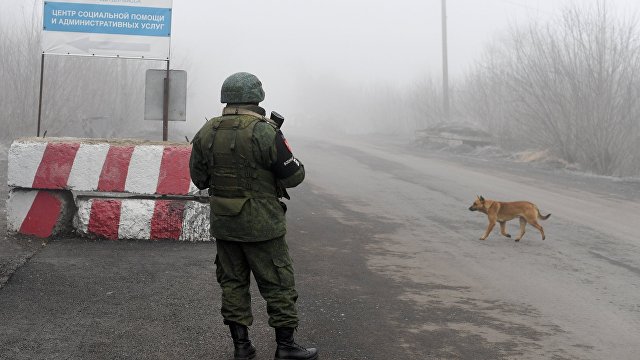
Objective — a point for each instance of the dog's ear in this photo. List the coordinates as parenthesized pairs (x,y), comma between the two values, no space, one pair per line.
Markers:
(481,198)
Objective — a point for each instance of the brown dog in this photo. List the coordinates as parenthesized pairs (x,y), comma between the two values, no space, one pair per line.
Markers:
(504,211)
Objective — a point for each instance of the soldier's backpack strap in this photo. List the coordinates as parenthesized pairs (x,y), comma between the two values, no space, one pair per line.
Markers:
(214,129)
(236,125)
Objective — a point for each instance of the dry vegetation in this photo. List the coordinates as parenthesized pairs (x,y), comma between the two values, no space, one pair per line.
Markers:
(571,86)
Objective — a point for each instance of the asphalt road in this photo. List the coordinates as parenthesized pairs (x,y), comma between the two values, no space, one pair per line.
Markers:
(388,263)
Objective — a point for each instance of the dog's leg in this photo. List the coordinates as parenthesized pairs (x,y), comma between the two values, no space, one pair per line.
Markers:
(539,227)
(492,223)
(503,229)
(523,223)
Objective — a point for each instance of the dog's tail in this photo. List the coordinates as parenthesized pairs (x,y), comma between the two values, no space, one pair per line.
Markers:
(540,216)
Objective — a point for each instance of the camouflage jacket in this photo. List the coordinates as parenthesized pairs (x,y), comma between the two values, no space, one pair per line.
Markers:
(247,164)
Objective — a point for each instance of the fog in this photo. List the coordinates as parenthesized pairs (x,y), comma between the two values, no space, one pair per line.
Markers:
(297,46)
(355,67)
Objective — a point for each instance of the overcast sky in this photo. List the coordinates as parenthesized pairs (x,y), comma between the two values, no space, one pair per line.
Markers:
(368,41)
(285,42)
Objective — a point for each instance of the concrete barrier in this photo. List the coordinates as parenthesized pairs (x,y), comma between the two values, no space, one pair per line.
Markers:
(88,180)
(142,219)
(129,166)
(41,213)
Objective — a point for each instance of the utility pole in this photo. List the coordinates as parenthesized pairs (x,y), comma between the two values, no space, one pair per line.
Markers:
(445,65)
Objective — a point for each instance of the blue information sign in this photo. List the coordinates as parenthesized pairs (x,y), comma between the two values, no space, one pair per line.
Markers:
(107,19)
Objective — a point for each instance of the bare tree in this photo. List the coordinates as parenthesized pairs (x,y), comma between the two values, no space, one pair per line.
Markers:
(425,103)
(90,97)
(571,86)
(485,98)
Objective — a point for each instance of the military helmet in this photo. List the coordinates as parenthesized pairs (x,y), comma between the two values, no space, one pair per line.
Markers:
(241,88)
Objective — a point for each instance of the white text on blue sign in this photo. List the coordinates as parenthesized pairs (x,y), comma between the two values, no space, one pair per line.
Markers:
(107,19)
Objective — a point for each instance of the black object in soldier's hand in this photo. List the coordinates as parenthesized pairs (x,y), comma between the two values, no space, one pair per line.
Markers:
(277,118)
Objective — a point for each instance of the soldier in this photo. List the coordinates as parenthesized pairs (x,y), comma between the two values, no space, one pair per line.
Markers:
(245,161)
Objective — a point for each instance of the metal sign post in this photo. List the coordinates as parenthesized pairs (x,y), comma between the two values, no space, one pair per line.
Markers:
(107,28)
(40,98)
(165,106)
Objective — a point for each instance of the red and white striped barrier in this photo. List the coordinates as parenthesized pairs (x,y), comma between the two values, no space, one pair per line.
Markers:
(44,172)
(40,213)
(143,219)
(90,165)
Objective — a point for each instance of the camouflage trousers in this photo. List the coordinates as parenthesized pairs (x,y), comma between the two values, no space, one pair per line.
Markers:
(271,265)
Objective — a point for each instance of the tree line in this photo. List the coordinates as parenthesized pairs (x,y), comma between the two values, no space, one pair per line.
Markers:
(569,85)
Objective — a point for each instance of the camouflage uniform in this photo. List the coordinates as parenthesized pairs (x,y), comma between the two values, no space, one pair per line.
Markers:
(246,163)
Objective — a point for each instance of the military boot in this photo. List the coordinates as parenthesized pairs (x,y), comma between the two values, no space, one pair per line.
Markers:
(243,348)
(287,348)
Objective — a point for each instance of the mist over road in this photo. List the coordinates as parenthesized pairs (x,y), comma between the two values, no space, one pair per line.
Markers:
(450,295)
